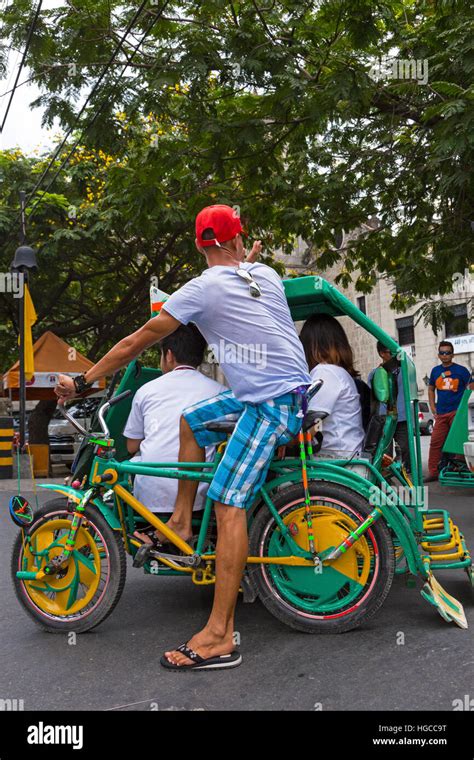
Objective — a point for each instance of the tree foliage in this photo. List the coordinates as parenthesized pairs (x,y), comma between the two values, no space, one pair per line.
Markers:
(273,107)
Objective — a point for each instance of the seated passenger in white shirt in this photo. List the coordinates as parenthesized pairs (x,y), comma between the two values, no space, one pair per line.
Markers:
(330,358)
(152,429)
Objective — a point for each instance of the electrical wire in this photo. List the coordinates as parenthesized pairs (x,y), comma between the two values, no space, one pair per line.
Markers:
(25,81)
(22,62)
(94,117)
(84,106)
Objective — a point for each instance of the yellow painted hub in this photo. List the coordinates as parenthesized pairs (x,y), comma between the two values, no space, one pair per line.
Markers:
(52,594)
(330,528)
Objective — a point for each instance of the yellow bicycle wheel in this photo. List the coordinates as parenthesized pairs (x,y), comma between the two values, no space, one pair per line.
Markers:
(72,588)
(86,588)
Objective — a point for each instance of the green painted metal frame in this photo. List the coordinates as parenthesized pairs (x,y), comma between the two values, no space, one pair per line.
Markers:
(310,295)
(306,296)
(463,479)
(393,510)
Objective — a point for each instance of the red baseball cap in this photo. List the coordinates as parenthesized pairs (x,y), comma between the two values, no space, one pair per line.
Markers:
(221,221)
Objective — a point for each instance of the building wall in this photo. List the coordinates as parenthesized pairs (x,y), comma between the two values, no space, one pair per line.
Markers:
(424,353)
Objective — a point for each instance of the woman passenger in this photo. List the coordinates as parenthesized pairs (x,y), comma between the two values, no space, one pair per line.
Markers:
(330,358)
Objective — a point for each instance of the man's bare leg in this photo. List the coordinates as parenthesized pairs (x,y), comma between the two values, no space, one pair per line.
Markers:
(216,637)
(189,451)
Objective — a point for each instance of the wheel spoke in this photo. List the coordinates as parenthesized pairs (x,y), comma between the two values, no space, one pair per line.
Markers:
(74,587)
(338,584)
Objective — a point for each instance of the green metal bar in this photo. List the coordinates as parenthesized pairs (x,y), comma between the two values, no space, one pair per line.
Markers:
(307,497)
(445,534)
(204,525)
(407,510)
(413,428)
(176,474)
(294,548)
(166,465)
(354,535)
(458,565)
(457,479)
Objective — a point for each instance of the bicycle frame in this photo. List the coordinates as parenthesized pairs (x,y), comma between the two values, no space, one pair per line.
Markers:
(388,505)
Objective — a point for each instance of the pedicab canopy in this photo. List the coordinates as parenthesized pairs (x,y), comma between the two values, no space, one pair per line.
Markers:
(312,295)
(51,356)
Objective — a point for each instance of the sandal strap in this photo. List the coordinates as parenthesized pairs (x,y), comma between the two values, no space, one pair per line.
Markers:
(188,652)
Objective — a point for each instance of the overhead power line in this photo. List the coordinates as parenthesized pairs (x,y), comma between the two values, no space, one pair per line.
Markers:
(22,62)
(84,106)
(89,124)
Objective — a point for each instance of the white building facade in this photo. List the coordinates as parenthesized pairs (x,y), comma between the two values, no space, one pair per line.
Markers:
(407,328)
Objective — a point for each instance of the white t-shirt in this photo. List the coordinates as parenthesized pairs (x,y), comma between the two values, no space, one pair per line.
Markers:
(253,339)
(338,397)
(155,417)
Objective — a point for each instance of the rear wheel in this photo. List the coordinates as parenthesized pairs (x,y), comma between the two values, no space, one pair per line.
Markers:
(348,591)
(83,592)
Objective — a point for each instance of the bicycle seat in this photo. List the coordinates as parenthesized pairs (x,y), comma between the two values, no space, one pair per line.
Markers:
(221,426)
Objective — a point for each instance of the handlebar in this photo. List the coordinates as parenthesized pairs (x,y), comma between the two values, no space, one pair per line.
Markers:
(119,398)
(103,409)
(313,389)
(71,420)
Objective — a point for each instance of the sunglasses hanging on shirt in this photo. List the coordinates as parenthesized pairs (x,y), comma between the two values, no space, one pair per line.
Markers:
(254,288)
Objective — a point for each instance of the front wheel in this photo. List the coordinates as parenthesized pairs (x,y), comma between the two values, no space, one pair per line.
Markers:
(82,593)
(346,592)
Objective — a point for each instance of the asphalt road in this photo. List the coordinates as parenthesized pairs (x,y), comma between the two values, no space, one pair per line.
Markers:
(116,667)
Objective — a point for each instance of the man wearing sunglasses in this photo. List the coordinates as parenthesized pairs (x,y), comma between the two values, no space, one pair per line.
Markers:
(241,310)
(448,381)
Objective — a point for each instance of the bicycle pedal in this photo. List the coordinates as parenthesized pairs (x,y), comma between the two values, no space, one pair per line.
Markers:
(143,555)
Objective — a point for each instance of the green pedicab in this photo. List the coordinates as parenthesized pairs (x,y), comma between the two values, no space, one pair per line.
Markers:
(459,447)
(325,537)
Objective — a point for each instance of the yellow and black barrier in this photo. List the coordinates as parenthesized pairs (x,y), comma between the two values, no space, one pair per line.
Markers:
(6,447)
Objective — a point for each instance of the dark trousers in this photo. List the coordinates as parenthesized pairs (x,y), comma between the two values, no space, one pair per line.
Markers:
(401,438)
(440,433)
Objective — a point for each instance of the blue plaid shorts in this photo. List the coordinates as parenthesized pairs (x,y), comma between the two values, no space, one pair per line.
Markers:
(260,429)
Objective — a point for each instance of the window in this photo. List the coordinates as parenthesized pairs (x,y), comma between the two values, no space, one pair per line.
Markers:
(406,331)
(361,304)
(457,323)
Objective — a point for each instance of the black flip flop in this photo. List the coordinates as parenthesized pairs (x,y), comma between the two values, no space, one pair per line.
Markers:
(220,662)
(162,546)
(148,531)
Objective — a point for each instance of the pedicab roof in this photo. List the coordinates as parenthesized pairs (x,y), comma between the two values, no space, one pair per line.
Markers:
(314,295)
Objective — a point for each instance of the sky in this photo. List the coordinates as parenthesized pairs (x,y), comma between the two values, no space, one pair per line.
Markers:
(23,127)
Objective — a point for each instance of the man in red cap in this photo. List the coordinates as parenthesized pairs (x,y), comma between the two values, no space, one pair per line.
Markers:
(241,309)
